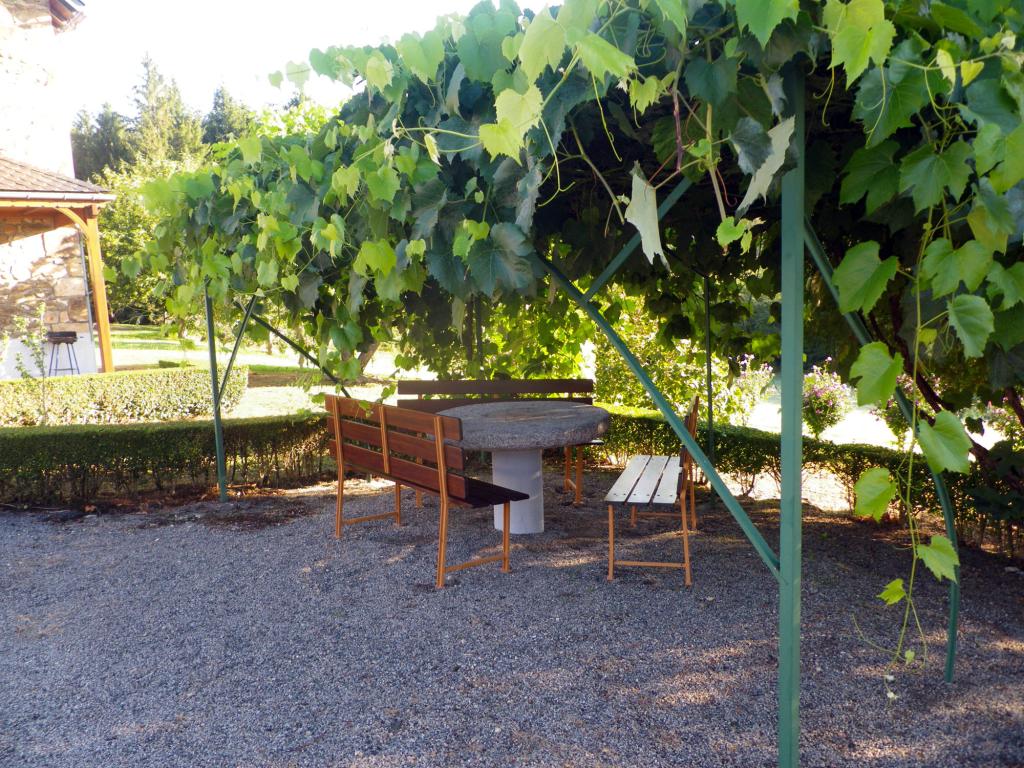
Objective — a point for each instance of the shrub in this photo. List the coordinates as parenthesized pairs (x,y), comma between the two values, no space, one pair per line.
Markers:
(679,371)
(826,399)
(84,462)
(117,398)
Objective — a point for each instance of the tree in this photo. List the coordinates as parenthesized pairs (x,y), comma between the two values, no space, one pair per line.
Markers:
(227,119)
(164,128)
(100,143)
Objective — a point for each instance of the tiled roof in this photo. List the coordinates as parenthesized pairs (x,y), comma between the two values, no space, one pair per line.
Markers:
(26,182)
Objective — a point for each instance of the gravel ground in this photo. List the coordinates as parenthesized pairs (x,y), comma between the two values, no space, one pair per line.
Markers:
(248,636)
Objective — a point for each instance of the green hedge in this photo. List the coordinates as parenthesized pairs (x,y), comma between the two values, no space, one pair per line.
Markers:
(84,462)
(115,398)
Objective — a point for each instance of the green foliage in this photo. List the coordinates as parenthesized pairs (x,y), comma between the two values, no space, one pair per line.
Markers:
(875,491)
(227,119)
(85,463)
(128,396)
(678,369)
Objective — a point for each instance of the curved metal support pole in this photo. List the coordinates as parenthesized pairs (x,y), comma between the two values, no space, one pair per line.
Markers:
(218,426)
(863,336)
(238,343)
(761,546)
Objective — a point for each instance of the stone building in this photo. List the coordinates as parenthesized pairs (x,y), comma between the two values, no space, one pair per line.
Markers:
(49,241)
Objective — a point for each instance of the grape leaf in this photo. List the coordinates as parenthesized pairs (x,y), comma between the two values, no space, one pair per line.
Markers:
(954,19)
(379,72)
(972,319)
(761,17)
(423,55)
(543,45)
(861,277)
(886,106)
(501,138)
(752,144)
(1009,282)
(713,82)
(874,491)
(894,592)
(860,34)
(383,184)
(521,110)
(290,282)
(642,213)
(499,262)
(945,267)
(576,17)
(376,255)
(871,172)
(602,58)
(675,12)
(479,47)
(780,136)
(940,557)
(877,372)
(252,149)
(987,102)
(1009,172)
(945,443)
(266,273)
(926,175)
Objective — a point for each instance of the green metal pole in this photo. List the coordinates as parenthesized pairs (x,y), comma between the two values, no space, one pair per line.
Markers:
(707,360)
(792,428)
(863,336)
(218,427)
(238,343)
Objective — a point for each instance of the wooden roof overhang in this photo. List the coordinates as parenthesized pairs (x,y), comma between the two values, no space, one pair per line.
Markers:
(34,201)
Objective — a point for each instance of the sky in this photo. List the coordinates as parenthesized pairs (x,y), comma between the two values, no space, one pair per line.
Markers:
(203,44)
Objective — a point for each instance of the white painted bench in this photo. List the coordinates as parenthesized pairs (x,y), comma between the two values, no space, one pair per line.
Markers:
(652,482)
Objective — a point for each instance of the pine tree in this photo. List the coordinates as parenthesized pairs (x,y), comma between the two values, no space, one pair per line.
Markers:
(227,119)
(100,143)
(164,128)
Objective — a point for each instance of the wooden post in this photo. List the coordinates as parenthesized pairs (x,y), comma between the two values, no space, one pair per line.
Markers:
(99,289)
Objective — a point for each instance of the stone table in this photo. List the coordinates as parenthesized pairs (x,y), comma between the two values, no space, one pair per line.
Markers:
(516,433)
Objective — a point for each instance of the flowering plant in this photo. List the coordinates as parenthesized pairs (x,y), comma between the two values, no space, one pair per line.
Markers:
(826,398)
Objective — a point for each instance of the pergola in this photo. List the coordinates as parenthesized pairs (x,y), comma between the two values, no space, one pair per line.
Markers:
(34,201)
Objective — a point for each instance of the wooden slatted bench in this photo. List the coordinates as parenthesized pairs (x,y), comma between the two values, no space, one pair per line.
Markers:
(655,482)
(412,449)
(440,394)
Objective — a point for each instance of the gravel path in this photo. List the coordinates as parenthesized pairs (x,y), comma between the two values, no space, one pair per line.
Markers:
(250,637)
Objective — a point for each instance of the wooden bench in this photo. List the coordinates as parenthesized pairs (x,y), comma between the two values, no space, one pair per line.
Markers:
(412,449)
(656,481)
(437,395)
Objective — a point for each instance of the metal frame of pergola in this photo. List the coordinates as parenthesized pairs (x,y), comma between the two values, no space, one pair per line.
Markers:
(798,240)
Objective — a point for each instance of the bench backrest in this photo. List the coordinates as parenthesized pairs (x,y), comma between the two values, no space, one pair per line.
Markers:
(399,444)
(439,394)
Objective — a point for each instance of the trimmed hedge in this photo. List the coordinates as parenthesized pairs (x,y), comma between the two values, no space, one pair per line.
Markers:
(84,462)
(80,463)
(116,398)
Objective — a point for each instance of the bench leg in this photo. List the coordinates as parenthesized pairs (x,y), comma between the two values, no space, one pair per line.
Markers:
(578,487)
(686,542)
(693,506)
(442,545)
(339,503)
(398,504)
(565,476)
(611,543)
(505,515)
(632,515)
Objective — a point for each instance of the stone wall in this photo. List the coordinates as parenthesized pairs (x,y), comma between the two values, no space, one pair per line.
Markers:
(38,265)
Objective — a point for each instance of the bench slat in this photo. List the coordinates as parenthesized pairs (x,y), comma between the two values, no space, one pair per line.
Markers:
(668,488)
(436,404)
(400,442)
(620,490)
(648,482)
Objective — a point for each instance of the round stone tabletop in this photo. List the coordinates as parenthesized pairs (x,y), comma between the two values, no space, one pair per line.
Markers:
(528,424)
